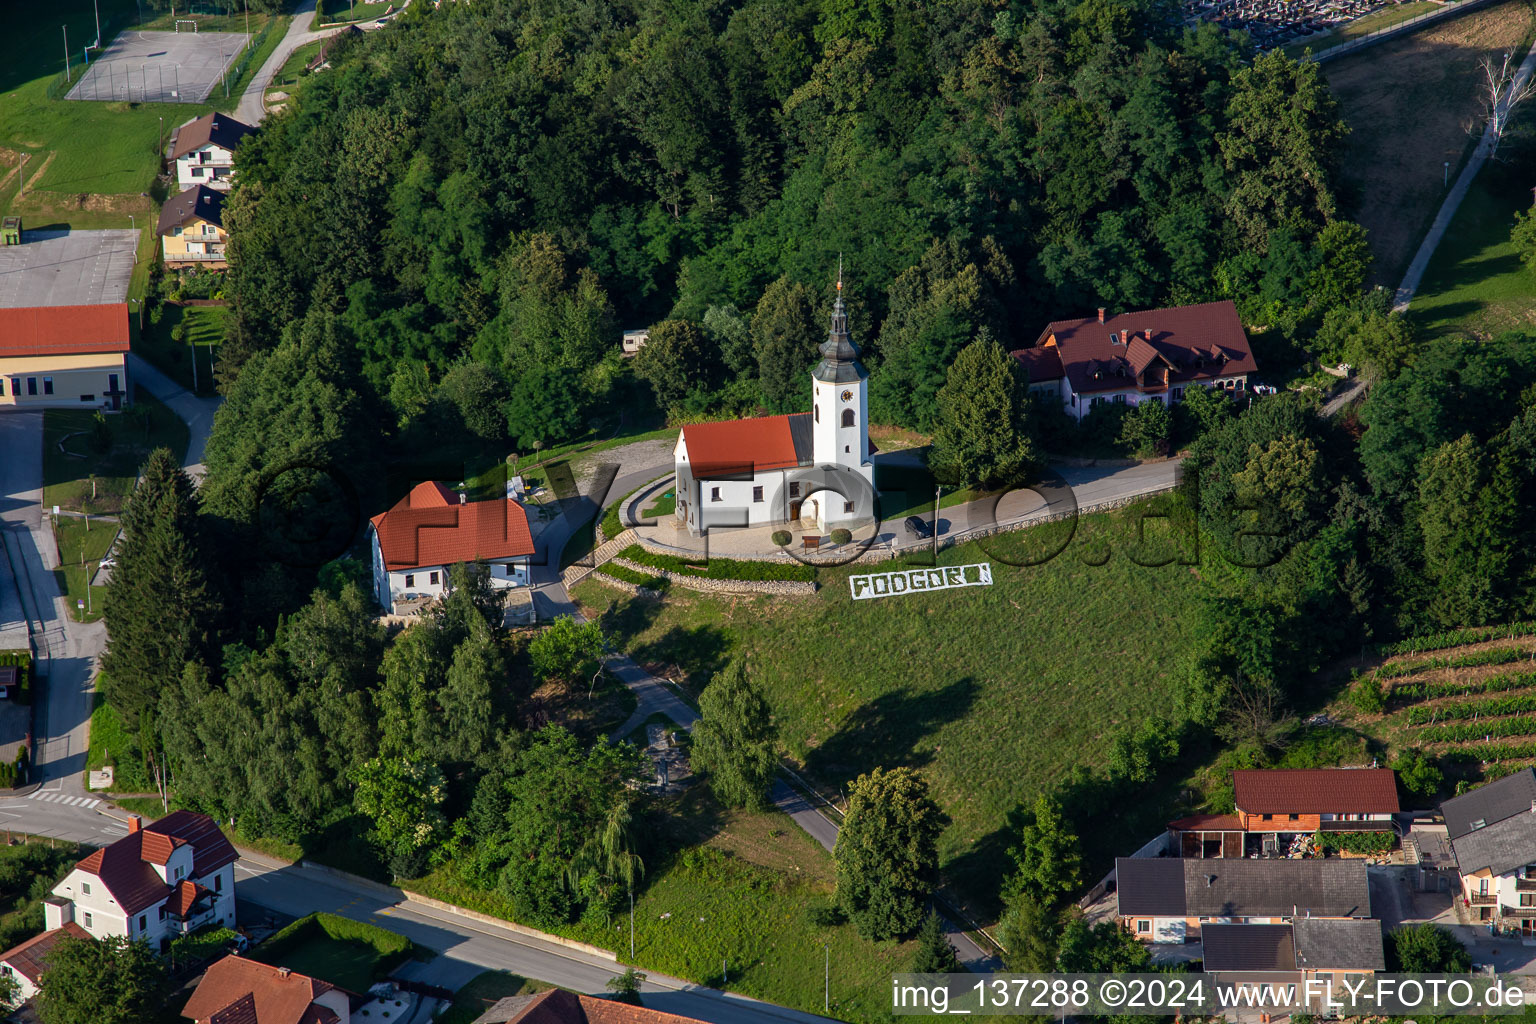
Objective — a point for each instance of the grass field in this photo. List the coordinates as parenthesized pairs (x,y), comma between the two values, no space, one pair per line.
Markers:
(741,890)
(82,544)
(110,744)
(1475,285)
(995,692)
(68,472)
(349,954)
(1410,103)
(292,71)
(471,1001)
(205,329)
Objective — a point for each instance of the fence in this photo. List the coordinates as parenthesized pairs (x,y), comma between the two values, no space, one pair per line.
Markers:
(1388,31)
(243,62)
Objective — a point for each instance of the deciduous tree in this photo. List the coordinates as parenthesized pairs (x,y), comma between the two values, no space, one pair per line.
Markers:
(106,981)
(886,852)
(733,742)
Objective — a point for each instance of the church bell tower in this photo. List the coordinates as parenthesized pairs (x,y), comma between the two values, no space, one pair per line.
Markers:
(840,392)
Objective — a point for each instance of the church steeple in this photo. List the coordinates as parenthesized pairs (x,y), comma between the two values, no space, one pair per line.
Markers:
(839,356)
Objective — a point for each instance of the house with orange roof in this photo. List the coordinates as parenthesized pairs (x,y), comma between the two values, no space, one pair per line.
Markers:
(158,882)
(557,1006)
(64,356)
(1150,355)
(432,528)
(240,991)
(810,468)
(24,963)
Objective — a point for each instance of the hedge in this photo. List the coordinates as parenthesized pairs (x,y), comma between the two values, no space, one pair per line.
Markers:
(721,568)
(1354,842)
(390,947)
(1497,656)
(202,945)
(613,520)
(1487,707)
(1492,684)
(1455,638)
(1522,725)
(628,575)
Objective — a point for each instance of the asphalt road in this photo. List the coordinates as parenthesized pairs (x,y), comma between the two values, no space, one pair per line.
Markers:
(468,947)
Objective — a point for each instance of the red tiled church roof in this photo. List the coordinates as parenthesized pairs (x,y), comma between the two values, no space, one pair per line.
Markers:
(64,330)
(1315,790)
(240,991)
(430,527)
(28,958)
(750,445)
(1199,342)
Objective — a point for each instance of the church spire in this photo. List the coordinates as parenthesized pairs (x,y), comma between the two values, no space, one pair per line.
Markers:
(839,356)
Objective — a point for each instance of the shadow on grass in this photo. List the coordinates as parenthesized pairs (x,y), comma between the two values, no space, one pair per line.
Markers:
(698,652)
(626,618)
(887,731)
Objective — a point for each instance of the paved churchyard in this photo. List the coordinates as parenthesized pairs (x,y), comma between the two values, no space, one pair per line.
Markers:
(159,67)
(67,268)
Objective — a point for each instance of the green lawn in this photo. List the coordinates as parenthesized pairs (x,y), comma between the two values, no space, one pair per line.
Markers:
(292,71)
(995,692)
(476,997)
(205,329)
(1475,284)
(334,11)
(349,954)
(111,744)
(81,476)
(664,505)
(82,544)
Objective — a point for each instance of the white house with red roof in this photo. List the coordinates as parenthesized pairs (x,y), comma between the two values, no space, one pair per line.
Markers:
(64,356)
(1152,355)
(807,467)
(240,991)
(24,963)
(431,528)
(158,882)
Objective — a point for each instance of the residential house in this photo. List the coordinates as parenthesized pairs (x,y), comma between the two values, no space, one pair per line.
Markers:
(811,468)
(204,150)
(1170,899)
(64,356)
(240,991)
(1492,830)
(25,962)
(191,230)
(1308,947)
(1273,805)
(431,528)
(158,882)
(1151,355)
(633,341)
(557,1006)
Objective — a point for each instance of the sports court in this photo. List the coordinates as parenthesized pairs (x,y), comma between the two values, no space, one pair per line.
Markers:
(67,268)
(160,67)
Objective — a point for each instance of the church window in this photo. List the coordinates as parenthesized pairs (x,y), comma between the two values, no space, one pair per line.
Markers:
(847,417)
(410,580)
(714,494)
(794,488)
(847,506)
(847,449)
(757,494)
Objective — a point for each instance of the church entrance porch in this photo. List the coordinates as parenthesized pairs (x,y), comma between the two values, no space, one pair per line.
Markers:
(755,543)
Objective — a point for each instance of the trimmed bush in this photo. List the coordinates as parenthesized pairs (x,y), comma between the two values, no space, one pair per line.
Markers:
(782,538)
(390,947)
(841,536)
(1354,842)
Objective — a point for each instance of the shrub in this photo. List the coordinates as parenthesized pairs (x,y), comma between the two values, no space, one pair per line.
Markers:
(1354,842)
(782,538)
(639,579)
(179,332)
(841,536)
(721,568)
(1369,696)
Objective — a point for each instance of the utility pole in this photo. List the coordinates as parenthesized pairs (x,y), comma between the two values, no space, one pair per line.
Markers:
(937,492)
(96,4)
(631,923)
(826,980)
(66,53)
(247,20)
(135,225)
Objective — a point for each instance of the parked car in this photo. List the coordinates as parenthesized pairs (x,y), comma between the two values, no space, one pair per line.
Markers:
(918,527)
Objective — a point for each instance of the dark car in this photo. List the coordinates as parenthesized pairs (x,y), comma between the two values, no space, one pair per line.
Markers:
(919,527)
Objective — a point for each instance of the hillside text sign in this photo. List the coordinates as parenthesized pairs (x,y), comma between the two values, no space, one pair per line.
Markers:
(916,581)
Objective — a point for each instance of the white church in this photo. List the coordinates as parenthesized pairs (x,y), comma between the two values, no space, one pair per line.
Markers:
(807,470)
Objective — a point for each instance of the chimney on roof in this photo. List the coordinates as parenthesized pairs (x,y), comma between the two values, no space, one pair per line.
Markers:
(1147,334)
(1210,881)
(1125,336)
(134,823)
(1101,314)
(283,972)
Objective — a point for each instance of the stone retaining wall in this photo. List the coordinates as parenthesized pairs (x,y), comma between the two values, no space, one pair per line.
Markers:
(777,588)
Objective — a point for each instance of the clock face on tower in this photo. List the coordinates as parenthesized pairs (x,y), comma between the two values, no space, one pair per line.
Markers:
(847,396)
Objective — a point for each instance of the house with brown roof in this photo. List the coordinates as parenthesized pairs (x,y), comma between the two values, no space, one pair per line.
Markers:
(240,991)
(64,356)
(431,528)
(191,229)
(1151,355)
(1273,805)
(1492,831)
(810,468)
(158,882)
(557,1006)
(25,962)
(204,150)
